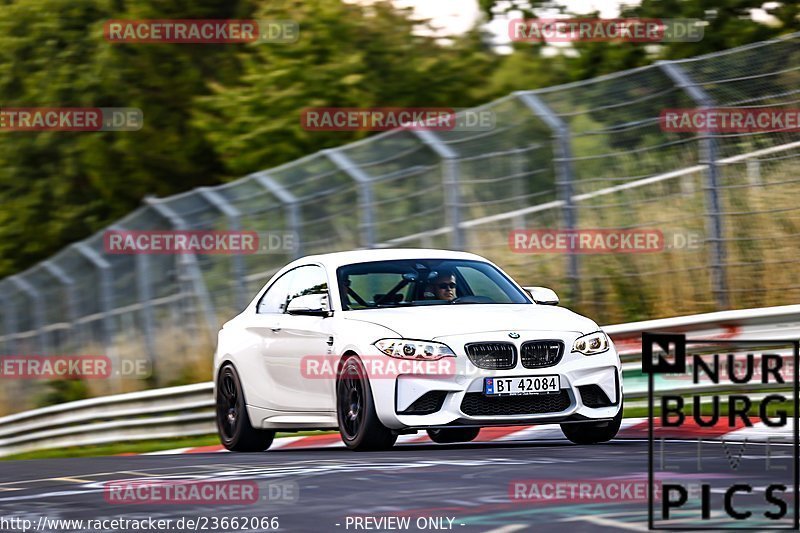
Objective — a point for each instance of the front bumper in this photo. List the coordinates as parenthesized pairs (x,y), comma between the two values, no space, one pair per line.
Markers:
(457,399)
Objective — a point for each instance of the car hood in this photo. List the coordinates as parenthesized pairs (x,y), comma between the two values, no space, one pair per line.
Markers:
(431,322)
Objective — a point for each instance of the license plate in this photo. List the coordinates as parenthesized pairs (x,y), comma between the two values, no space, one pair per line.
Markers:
(521,385)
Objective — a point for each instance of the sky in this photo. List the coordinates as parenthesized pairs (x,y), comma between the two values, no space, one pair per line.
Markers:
(457,16)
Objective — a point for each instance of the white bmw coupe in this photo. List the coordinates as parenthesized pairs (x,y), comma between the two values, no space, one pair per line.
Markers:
(379,343)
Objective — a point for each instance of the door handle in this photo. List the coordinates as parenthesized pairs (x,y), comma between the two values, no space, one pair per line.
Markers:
(275,330)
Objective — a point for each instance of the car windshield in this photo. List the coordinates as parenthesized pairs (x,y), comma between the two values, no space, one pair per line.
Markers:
(422,282)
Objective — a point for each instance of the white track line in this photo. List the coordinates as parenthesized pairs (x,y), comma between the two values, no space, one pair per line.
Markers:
(608,522)
(176,451)
(762,432)
(509,528)
(550,431)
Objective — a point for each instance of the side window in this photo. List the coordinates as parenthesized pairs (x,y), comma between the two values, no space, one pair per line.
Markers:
(276,297)
(308,280)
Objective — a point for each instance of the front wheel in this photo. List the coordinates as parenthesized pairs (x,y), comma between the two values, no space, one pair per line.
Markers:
(355,410)
(593,432)
(233,424)
(451,435)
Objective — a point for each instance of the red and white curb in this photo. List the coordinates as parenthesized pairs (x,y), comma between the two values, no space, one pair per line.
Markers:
(631,428)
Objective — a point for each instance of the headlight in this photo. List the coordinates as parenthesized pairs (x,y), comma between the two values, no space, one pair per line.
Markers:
(591,344)
(413,349)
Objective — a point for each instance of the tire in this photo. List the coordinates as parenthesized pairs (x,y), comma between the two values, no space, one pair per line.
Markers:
(593,432)
(355,410)
(233,423)
(451,435)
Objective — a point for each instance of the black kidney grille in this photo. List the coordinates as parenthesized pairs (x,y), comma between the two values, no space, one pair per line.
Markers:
(492,355)
(428,403)
(477,404)
(540,354)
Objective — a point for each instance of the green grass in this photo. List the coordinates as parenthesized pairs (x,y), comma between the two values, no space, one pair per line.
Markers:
(137,447)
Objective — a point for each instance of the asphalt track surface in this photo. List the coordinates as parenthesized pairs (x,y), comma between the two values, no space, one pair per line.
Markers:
(467,483)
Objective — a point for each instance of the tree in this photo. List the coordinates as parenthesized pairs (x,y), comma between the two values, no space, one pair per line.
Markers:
(348,55)
(59,187)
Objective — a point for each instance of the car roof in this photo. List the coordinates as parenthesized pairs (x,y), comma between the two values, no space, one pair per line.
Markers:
(337,259)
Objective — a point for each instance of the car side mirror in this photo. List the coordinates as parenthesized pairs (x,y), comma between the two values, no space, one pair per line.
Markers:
(310,304)
(543,295)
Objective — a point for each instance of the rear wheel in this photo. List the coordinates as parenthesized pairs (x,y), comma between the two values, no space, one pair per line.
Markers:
(233,424)
(451,435)
(355,410)
(593,432)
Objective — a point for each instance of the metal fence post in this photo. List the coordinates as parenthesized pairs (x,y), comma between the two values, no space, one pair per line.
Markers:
(708,156)
(145,297)
(287,199)
(518,167)
(364,182)
(187,263)
(144,293)
(9,320)
(234,222)
(565,175)
(106,290)
(451,182)
(38,311)
(69,293)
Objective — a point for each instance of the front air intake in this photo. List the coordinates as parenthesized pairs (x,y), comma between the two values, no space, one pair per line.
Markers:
(428,403)
(593,396)
(478,404)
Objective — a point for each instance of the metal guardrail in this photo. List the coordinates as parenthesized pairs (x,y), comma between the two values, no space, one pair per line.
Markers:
(188,410)
(147,415)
